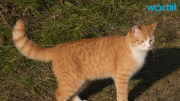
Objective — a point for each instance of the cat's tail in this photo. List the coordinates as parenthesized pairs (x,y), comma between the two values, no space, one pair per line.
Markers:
(27,47)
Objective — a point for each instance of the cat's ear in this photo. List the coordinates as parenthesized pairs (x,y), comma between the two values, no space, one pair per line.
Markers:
(153,26)
(135,30)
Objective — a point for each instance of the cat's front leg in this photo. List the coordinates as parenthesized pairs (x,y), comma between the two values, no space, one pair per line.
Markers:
(121,82)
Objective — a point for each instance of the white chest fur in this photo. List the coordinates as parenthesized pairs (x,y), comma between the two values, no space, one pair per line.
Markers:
(139,57)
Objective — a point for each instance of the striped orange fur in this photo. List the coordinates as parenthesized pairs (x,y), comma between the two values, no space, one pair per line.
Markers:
(89,59)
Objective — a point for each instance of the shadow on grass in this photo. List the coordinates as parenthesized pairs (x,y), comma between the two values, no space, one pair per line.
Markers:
(156,68)
(94,87)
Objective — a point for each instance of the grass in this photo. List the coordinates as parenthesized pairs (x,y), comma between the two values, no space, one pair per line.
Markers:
(48,23)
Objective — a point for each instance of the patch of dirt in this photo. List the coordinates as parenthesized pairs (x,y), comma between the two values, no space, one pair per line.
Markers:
(168,29)
(167,89)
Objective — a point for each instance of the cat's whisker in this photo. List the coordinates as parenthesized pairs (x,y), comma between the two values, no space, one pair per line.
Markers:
(152,52)
(155,52)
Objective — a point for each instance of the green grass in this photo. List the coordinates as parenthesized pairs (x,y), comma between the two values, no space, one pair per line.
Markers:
(48,23)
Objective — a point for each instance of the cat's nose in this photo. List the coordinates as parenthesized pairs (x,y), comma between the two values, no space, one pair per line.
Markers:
(148,47)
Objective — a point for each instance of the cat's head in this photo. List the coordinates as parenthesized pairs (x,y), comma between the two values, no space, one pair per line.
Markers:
(142,37)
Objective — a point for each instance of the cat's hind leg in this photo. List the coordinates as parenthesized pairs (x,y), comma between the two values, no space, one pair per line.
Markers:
(68,86)
(65,91)
(76,97)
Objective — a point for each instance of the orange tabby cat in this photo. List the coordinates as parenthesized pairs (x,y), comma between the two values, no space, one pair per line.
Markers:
(88,59)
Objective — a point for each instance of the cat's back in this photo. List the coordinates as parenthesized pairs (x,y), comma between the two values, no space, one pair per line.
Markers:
(88,42)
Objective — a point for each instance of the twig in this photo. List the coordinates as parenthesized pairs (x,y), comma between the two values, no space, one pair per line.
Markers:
(4,19)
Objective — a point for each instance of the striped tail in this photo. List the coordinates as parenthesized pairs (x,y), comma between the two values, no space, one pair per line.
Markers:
(27,47)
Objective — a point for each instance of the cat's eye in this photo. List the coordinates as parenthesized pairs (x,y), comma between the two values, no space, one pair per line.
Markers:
(151,40)
(141,41)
